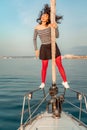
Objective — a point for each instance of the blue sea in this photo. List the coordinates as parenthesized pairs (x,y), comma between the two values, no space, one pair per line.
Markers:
(18,76)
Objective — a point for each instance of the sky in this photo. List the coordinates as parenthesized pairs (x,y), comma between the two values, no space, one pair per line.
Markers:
(18,20)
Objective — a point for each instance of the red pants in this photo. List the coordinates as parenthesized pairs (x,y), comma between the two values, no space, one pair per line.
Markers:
(59,66)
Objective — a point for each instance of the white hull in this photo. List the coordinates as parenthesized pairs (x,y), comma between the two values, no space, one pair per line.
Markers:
(46,121)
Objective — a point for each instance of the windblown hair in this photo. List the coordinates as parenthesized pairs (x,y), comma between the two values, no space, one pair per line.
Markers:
(47,10)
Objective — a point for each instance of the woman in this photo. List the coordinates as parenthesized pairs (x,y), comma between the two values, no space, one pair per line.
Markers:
(43,30)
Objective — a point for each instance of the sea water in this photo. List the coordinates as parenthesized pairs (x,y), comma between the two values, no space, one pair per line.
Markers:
(18,76)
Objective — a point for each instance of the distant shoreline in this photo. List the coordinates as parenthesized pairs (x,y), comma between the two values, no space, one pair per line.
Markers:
(16,57)
(67,56)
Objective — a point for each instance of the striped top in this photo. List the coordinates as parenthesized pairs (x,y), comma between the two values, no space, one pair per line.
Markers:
(44,35)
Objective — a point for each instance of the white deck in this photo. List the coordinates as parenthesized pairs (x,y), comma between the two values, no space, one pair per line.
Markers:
(47,122)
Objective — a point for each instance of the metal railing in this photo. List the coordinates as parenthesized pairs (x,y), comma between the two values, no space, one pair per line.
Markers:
(32,109)
(27,99)
(82,98)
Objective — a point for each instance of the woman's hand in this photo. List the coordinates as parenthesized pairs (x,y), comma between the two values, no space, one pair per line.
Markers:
(37,53)
(54,25)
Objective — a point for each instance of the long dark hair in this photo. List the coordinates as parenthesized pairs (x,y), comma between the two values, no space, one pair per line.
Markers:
(47,10)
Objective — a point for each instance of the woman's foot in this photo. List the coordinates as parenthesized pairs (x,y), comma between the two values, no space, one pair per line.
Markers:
(66,85)
(42,85)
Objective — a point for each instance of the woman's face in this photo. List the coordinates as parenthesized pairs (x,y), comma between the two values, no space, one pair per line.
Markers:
(44,18)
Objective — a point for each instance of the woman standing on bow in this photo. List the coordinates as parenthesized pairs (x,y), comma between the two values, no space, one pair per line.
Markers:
(43,30)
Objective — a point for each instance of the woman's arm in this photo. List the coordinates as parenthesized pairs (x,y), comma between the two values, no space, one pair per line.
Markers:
(57,32)
(35,43)
(35,39)
(54,25)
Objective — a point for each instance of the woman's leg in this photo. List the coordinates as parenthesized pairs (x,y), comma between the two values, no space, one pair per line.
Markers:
(61,68)
(62,72)
(44,70)
(43,73)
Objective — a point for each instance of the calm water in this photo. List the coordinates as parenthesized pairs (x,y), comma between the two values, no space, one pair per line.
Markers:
(18,76)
